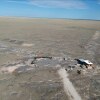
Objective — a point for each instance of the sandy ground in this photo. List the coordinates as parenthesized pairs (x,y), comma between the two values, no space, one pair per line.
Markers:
(10,69)
(27,45)
(22,38)
(49,36)
(92,45)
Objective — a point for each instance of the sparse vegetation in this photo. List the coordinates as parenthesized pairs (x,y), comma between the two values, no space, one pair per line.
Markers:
(21,40)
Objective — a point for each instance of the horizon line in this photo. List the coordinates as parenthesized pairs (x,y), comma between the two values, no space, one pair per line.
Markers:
(49,18)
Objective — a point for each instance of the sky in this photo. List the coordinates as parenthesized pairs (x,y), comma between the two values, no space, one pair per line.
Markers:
(71,9)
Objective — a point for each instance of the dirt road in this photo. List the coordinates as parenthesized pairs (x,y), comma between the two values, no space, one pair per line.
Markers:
(68,86)
(92,45)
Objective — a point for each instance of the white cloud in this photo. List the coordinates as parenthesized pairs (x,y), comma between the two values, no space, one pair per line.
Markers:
(19,1)
(78,4)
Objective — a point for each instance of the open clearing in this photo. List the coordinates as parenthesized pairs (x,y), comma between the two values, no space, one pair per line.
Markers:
(23,78)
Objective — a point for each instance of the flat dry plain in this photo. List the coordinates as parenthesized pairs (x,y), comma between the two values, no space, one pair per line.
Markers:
(25,37)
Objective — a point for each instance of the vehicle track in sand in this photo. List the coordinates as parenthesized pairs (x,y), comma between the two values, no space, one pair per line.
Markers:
(68,86)
(92,45)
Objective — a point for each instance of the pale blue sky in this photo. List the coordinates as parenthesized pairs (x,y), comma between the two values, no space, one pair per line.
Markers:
(75,9)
